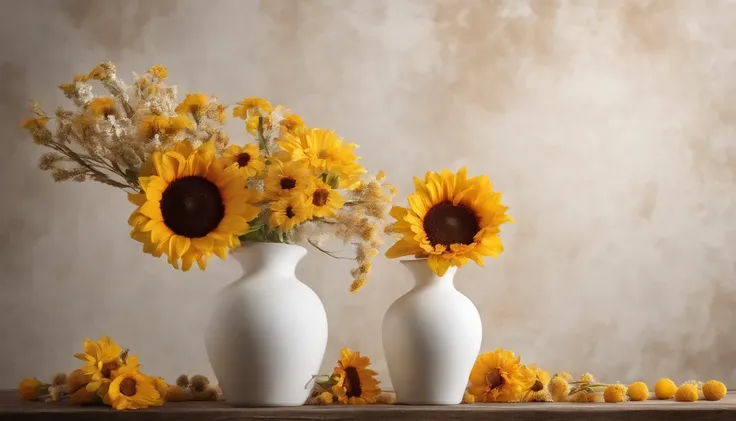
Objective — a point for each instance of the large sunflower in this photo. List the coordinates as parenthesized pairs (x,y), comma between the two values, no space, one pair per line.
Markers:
(450,219)
(498,376)
(247,158)
(356,383)
(324,152)
(133,390)
(192,207)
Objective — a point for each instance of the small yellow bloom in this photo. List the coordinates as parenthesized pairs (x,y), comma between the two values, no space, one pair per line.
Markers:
(538,392)
(498,376)
(160,384)
(713,390)
(34,123)
(468,398)
(325,201)
(665,388)
(194,104)
(587,378)
(686,393)
(559,388)
(158,71)
(252,106)
(286,179)
(247,159)
(356,384)
(100,358)
(638,391)
(175,394)
(288,212)
(614,393)
(30,388)
(103,106)
(565,375)
(133,390)
(326,398)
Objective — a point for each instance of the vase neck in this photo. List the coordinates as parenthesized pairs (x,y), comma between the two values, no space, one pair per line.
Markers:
(424,276)
(271,259)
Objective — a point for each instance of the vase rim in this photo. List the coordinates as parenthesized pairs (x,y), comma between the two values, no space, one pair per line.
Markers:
(267,244)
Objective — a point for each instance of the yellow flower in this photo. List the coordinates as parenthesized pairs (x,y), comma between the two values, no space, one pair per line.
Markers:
(286,179)
(34,123)
(324,152)
(158,71)
(191,207)
(325,398)
(325,200)
(586,397)
(247,158)
(559,388)
(450,219)
(175,394)
(30,388)
(664,388)
(686,393)
(713,390)
(587,378)
(252,106)
(103,106)
(538,392)
(160,384)
(468,397)
(194,104)
(164,126)
(356,383)
(133,390)
(100,358)
(76,380)
(288,212)
(638,391)
(565,375)
(498,376)
(82,397)
(286,122)
(614,393)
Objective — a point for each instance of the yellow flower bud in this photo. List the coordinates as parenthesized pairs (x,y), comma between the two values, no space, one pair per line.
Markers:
(638,391)
(614,393)
(713,390)
(665,388)
(29,388)
(686,393)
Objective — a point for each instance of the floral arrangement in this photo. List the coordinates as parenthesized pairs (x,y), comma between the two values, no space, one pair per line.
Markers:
(451,219)
(110,376)
(195,194)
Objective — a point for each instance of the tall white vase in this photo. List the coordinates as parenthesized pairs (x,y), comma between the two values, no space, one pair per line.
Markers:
(431,338)
(268,331)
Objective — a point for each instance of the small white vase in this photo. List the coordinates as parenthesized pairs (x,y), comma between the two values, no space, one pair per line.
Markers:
(268,331)
(431,338)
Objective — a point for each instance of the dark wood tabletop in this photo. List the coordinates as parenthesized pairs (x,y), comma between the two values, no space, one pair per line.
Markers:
(12,408)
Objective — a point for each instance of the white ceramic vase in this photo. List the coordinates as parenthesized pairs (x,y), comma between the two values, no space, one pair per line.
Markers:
(268,331)
(431,338)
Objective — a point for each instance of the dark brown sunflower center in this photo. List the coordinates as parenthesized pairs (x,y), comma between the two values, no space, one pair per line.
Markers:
(192,206)
(495,379)
(243,159)
(352,382)
(537,386)
(290,212)
(320,197)
(288,183)
(108,368)
(108,111)
(128,387)
(448,224)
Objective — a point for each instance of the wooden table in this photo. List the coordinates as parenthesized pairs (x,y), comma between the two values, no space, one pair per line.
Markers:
(11,408)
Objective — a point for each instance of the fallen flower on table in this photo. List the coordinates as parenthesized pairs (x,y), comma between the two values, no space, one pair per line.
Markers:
(559,387)
(499,376)
(539,391)
(638,391)
(713,390)
(687,392)
(351,382)
(665,388)
(615,393)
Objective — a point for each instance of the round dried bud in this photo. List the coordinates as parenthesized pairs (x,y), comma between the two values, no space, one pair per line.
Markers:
(199,383)
(182,381)
(59,379)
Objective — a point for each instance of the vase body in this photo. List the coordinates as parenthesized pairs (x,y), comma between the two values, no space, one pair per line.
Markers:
(268,331)
(431,338)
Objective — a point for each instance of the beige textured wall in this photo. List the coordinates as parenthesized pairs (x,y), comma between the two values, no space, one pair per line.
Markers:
(610,126)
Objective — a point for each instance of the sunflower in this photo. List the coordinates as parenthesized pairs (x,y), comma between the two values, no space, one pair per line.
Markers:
(450,219)
(324,152)
(539,391)
(103,106)
(286,179)
(194,104)
(247,159)
(356,383)
(324,199)
(100,358)
(191,207)
(289,211)
(133,390)
(498,376)
(284,121)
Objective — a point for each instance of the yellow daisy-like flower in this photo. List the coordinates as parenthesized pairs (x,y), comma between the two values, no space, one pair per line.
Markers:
(192,207)
(450,219)
(246,158)
(133,390)
(158,71)
(288,212)
(100,358)
(286,179)
(324,152)
(249,107)
(103,106)
(498,376)
(194,104)
(284,122)
(356,383)
(324,199)
(164,126)
(539,391)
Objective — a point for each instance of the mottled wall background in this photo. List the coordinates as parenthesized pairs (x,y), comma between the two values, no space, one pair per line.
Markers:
(610,126)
